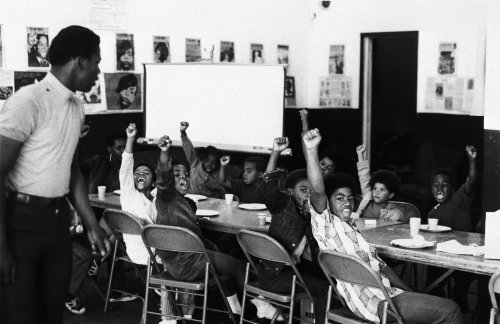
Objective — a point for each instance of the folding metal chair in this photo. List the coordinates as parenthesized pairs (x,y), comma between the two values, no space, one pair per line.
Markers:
(494,288)
(121,222)
(353,270)
(409,210)
(261,246)
(178,239)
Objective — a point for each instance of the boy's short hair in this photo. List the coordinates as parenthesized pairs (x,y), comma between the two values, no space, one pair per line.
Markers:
(295,177)
(388,178)
(447,172)
(260,163)
(71,42)
(179,162)
(336,156)
(153,173)
(339,180)
(126,81)
(204,152)
(113,136)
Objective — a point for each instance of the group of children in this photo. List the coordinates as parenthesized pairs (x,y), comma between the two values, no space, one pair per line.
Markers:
(312,209)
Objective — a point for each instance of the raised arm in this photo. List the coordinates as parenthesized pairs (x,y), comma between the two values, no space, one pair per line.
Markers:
(304,119)
(127,167)
(363,169)
(471,179)
(224,162)
(279,145)
(131,133)
(310,142)
(187,146)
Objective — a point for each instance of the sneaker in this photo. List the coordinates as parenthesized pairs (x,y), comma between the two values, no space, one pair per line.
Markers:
(116,297)
(75,306)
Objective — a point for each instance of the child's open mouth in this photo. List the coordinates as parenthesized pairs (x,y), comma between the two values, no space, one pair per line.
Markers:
(440,195)
(141,180)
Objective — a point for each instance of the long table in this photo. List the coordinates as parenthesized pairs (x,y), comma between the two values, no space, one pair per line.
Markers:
(231,218)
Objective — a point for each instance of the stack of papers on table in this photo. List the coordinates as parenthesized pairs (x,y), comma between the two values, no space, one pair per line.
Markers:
(453,246)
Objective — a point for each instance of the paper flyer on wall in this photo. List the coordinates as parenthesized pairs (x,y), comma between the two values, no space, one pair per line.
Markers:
(257,53)
(94,101)
(161,49)
(283,54)
(452,95)
(193,50)
(37,46)
(108,14)
(123,92)
(491,237)
(336,59)
(446,65)
(6,85)
(227,52)
(335,92)
(125,58)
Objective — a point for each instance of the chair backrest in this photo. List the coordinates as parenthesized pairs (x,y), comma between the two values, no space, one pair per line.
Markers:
(409,210)
(494,288)
(262,246)
(172,238)
(122,222)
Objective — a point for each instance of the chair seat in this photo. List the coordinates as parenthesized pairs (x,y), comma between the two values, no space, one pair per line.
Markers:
(165,279)
(344,315)
(252,287)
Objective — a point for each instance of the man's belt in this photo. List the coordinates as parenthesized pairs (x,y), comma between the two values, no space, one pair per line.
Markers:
(33,200)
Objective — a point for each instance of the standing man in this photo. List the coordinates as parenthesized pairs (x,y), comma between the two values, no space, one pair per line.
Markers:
(39,131)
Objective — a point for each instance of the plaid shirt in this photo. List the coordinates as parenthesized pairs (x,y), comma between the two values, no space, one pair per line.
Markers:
(334,234)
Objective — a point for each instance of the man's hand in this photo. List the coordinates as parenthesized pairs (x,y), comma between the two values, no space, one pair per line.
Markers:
(184,126)
(7,267)
(360,150)
(164,143)
(99,242)
(224,160)
(303,114)
(280,144)
(311,139)
(131,130)
(471,152)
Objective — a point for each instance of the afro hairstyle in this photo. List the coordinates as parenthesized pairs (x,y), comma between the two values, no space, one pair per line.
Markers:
(389,178)
(339,180)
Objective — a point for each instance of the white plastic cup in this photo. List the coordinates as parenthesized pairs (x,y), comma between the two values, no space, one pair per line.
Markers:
(229,198)
(433,223)
(262,220)
(414,226)
(101,192)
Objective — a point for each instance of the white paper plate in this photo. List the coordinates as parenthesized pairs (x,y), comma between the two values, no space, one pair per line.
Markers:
(195,198)
(206,213)
(117,192)
(252,206)
(411,244)
(440,228)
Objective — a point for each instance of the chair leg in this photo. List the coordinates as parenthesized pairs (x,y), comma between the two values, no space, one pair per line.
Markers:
(110,277)
(244,293)
(230,312)
(290,318)
(205,295)
(146,294)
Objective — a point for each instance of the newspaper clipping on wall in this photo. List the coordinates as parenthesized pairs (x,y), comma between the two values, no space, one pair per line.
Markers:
(123,92)
(257,53)
(449,95)
(446,63)
(125,52)
(108,14)
(6,85)
(336,59)
(38,46)
(161,49)
(335,92)
(94,101)
(227,52)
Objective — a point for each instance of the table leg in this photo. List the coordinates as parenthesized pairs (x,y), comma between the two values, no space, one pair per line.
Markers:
(439,280)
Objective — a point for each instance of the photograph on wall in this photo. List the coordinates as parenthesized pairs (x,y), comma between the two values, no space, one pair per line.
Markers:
(37,46)
(6,85)
(257,53)
(227,52)
(447,53)
(289,87)
(450,95)
(335,92)
(94,101)
(123,92)
(161,49)
(193,50)
(22,78)
(1,47)
(125,52)
(283,51)
(336,59)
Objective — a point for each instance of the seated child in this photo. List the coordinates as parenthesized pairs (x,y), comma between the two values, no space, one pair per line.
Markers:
(377,190)
(331,207)
(245,189)
(453,207)
(291,227)
(174,209)
(204,170)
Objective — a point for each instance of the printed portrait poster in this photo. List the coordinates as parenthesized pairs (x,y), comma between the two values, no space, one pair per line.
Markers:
(283,54)
(22,79)
(125,60)
(1,47)
(227,52)
(161,49)
(94,101)
(193,50)
(37,46)
(257,53)
(446,63)
(335,92)
(123,92)
(336,59)
(6,85)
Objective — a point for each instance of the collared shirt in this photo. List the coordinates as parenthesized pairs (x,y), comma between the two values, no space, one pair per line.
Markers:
(47,118)
(332,233)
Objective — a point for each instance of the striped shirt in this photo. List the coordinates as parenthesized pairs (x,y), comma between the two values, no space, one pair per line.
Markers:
(334,234)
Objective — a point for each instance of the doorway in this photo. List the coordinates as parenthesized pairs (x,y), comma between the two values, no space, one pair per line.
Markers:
(389,97)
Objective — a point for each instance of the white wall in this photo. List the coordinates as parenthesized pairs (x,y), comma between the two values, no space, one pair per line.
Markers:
(492,84)
(460,21)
